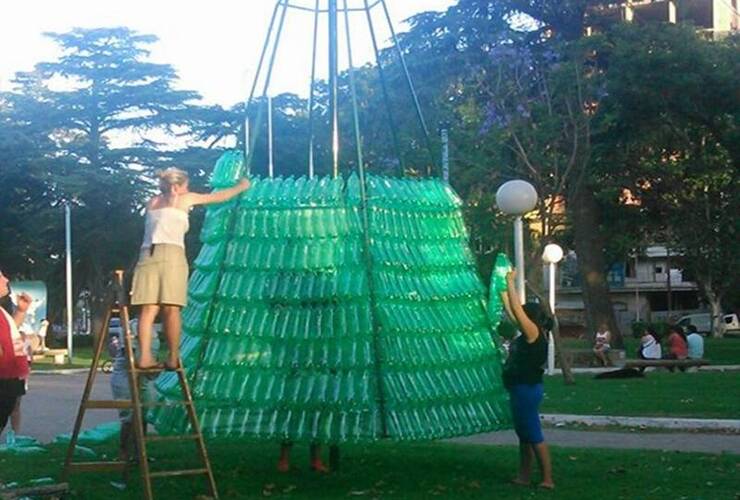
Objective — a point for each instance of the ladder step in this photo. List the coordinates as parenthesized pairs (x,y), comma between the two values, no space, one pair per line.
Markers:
(178,437)
(155,370)
(109,404)
(158,404)
(173,473)
(97,466)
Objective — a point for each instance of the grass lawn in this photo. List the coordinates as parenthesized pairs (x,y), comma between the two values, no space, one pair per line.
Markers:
(390,470)
(725,351)
(659,394)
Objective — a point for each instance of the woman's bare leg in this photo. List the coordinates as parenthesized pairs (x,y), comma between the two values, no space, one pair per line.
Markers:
(316,463)
(172,329)
(284,460)
(15,417)
(147,315)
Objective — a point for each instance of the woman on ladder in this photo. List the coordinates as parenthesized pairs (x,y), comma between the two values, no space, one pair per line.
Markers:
(161,275)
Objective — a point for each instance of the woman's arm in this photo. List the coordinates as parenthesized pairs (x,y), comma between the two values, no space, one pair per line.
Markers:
(24,302)
(526,325)
(218,196)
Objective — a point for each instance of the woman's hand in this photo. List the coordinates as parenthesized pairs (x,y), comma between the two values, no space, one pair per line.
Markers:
(511,276)
(23,302)
(244,183)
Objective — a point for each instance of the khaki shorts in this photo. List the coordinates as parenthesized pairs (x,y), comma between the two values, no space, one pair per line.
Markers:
(161,277)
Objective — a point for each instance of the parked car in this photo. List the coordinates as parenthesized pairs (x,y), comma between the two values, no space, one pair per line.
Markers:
(729,323)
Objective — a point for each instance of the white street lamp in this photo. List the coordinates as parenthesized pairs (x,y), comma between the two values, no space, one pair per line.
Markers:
(552,254)
(517,198)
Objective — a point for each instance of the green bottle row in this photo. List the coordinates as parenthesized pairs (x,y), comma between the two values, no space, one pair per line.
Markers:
(299,255)
(416,225)
(439,286)
(335,320)
(431,317)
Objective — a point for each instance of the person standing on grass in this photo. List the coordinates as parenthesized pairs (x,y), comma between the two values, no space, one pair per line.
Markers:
(161,275)
(522,376)
(13,362)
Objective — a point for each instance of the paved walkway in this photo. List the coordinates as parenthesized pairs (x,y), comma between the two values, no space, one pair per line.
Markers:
(51,405)
(702,443)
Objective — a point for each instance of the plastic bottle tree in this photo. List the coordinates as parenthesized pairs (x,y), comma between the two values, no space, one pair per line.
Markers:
(339,308)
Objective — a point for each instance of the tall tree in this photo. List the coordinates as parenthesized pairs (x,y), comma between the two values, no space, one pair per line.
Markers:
(107,110)
(673,114)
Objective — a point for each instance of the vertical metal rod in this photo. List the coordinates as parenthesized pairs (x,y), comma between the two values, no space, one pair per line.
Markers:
(519,257)
(333,86)
(353,90)
(637,290)
(68,265)
(550,338)
(270,163)
(409,83)
(248,105)
(445,137)
(364,209)
(268,77)
(312,91)
(384,87)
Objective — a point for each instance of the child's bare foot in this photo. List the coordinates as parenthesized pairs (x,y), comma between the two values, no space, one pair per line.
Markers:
(519,481)
(547,485)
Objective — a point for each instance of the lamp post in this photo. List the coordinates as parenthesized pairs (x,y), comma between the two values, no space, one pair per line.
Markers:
(551,256)
(517,198)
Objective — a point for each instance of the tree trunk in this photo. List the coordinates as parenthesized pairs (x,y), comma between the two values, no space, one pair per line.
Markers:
(715,305)
(590,250)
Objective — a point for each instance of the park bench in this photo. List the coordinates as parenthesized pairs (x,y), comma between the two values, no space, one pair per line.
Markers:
(665,363)
(585,357)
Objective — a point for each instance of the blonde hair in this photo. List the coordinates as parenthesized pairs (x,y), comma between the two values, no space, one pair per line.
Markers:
(171,177)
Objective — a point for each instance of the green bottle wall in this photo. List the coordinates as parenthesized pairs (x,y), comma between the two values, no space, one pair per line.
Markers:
(303,325)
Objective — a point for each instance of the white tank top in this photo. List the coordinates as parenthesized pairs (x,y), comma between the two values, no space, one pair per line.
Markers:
(165,226)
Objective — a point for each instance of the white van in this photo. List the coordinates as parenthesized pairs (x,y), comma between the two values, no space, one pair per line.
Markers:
(729,323)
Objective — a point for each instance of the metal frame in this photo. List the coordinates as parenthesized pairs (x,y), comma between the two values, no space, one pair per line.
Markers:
(332,10)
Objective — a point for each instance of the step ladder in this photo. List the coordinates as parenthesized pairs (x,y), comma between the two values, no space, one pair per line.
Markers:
(118,306)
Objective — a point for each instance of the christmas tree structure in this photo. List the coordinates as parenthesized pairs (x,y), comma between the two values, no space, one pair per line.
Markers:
(326,310)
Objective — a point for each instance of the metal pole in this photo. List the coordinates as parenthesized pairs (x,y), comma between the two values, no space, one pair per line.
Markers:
(550,338)
(519,257)
(384,88)
(68,247)
(414,96)
(333,86)
(637,290)
(312,91)
(445,136)
(270,164)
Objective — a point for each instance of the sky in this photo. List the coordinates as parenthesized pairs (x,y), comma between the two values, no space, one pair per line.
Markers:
(214,45)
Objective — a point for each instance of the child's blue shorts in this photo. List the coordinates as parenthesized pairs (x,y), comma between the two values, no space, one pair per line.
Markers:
(525,404)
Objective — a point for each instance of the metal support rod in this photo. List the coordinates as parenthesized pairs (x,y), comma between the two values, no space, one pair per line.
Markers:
(248,105)
(519,257)
(270,162)
(268,77)
(68,266)
(333,87)
(312,92)
(377,348)
(409,83)
(445,138)
(384,87)
(353,90)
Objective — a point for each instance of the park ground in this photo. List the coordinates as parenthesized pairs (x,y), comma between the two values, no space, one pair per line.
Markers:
(478,467)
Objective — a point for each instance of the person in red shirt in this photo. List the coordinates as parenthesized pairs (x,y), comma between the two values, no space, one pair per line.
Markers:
(678,348)
(13,361)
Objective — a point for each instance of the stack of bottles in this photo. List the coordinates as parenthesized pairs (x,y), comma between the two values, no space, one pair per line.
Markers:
(304,325)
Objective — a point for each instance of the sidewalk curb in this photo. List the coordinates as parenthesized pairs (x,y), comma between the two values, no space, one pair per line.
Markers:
(688,424)
(707,368)
(61,371)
